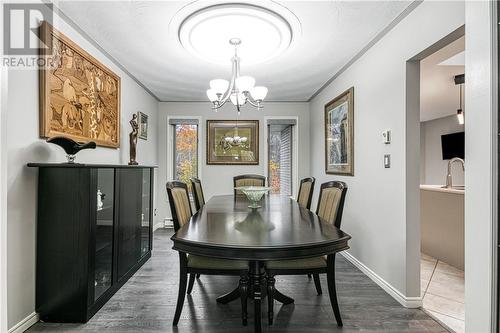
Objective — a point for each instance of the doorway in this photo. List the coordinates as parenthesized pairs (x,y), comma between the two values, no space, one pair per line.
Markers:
(442,190)
(435,173)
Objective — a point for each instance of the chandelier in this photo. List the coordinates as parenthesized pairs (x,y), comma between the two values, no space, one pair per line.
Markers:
(240,90)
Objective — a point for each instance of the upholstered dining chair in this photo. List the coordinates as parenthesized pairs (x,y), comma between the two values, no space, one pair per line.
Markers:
(192,264)
(196,188)
(247,180)
(330,208)
(306,190)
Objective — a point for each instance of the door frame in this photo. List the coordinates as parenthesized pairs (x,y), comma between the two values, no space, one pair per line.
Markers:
(3,196)
(295,150)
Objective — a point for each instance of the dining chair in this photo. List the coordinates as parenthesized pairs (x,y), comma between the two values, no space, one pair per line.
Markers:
(330,208)
(247,180)
(193,264)
(306,190)
(197,189)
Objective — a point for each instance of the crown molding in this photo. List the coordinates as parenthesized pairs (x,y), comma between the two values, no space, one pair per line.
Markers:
(368,46)
(92,41)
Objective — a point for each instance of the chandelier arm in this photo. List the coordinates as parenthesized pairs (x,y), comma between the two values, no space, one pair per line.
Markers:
(232,84)
(252,102)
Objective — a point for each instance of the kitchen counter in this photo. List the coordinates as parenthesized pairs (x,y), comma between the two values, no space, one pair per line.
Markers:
(442,223)
(439,188)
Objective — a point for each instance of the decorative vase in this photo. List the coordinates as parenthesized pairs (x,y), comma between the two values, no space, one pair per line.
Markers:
(71,147)
(253,194)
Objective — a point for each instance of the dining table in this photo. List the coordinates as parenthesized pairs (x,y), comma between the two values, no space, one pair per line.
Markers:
(225,227)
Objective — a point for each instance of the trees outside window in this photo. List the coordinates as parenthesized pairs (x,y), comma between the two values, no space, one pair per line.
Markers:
(185,152)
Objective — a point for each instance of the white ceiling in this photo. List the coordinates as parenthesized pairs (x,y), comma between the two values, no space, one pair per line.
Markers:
(439,96)
(137,34)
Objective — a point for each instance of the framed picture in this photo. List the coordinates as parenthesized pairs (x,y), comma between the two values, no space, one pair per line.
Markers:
(233,142)
(79,96)
(142,121)
(339,135)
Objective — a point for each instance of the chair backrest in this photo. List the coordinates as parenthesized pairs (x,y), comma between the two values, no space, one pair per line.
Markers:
(331,202)
(180,206)
(306,190)
(248,180)
(199,198)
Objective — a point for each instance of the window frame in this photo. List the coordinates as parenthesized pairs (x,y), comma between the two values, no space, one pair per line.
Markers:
(171,142)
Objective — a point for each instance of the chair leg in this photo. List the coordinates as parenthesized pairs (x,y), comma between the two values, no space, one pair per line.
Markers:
(197,276)
(191,283)
(332,289)
(270,299)
(309,276)
(182,287)
(243,297)
(317,284)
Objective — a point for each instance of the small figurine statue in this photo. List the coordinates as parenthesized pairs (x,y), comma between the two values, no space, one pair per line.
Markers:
(133,140)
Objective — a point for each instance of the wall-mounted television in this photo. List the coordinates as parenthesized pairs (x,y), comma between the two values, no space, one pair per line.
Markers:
(453,145)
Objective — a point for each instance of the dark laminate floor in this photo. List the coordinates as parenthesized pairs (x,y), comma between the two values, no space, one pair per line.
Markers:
(147,303)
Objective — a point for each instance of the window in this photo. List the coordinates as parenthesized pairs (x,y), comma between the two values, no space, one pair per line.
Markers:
(185,149)
(280,156)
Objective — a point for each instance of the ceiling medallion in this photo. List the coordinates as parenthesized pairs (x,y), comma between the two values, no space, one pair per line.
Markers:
(267,30)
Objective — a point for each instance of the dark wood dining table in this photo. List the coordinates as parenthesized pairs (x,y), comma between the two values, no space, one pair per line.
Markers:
(281,229)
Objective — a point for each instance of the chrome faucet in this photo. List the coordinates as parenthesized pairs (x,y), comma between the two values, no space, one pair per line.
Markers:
(449,182)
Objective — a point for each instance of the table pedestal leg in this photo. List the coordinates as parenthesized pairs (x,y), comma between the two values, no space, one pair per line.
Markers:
(229,297)
(256,273)
(282,298)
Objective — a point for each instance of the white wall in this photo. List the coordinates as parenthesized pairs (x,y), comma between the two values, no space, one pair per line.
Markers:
(3,189)
(24,145)
(218,179)
(482,169)
(375,212)
(434,168)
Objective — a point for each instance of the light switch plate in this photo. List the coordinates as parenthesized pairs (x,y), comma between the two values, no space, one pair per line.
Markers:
(387,161)
(387,136)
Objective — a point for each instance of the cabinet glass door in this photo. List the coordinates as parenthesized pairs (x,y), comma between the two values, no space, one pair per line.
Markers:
(104,231)
(145,215)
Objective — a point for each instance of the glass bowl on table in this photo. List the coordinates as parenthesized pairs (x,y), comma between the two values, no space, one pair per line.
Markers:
(253,194)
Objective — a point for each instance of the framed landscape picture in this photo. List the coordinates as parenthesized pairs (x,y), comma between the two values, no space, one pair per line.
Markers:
(142,121)
(79,96)
(339,135)
(233,142)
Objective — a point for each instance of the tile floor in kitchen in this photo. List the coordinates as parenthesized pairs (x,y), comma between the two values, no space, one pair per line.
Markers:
(442,288)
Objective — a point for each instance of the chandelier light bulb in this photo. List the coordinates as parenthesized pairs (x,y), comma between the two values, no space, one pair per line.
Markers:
(238,99)
(245,83)
(259,93)
(212,95)
(219,86)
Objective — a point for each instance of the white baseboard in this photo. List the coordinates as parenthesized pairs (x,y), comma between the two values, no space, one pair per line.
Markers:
(24,324)
(407,302)
(158,225)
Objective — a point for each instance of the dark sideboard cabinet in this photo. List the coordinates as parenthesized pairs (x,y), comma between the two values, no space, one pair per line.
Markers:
(94,231)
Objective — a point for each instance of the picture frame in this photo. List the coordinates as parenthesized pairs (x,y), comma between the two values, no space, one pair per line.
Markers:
(339,134)
(142,121)
(222,150)
(79,96)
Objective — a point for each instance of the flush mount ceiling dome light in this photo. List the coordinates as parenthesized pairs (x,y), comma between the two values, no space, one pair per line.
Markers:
(265,32)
